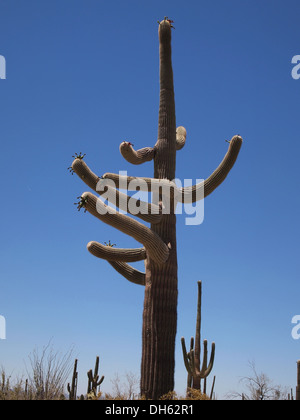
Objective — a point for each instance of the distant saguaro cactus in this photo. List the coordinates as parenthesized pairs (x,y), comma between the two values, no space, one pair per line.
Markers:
(72,388)
(192,362)
(93,379)
(159,249)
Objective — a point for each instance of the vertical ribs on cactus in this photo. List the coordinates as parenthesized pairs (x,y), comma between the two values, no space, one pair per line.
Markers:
(192,361)
(159,247)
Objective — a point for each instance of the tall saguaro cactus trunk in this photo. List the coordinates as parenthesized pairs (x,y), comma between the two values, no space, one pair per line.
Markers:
(159,240)
(160,306)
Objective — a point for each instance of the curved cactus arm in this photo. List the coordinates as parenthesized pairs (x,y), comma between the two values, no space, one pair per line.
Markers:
(85,173)
(189,361)
(201,372)
(164,191)
(186,357)
(142,183)
(136,157)
(205,371)
(129,182)
(130,273)
(203,189)
(190,376)
(155,247)
(148,212)
(116,254)
(180,137)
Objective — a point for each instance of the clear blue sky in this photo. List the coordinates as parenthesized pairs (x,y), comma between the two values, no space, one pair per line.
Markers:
(82,76)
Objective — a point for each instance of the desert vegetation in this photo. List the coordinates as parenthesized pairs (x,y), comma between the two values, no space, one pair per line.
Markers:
(51,376)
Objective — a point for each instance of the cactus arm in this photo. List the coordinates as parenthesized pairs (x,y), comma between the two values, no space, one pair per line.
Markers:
(219,175)
(156,248)
(85,173)
(136,157)
(130,273)
(180,137)
(119,181)
(203,189)
(205,371)
(154,185)
(148,212)
(186,359)
(189,361)
(212,359)
(116,254)
(201,372)
(128,182)
(143,183)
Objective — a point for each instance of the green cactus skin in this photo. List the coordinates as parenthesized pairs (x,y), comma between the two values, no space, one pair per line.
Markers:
(192,359)
(93,379)
(159,240)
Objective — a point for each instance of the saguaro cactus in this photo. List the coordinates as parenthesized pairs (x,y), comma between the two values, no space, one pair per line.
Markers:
(192,362)
(159,240)
(93,379)
(72,388)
